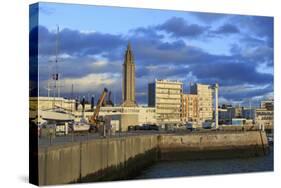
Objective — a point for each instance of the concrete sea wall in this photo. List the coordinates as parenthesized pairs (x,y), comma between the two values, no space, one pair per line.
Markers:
(96,160)
(212,145)
(120,158)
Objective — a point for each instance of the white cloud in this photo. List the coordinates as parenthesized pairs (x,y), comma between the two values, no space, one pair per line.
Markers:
(100,63)
(93,82)
(90,31)
(264,68)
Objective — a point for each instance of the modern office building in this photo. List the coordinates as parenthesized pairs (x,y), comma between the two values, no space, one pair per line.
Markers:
(166,97)
(128,87)
(205,101)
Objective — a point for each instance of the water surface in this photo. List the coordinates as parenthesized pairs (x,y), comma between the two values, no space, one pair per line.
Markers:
(164,169)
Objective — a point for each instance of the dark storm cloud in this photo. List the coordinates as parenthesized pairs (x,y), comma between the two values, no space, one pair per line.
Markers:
(263,26)
(176,58)
(74,42)
(231,73)
(253,54)
(227,29)
(230,95)
(156,52)
(178,27)
(159,58)
(33,42)
(260,26)
(161,71)
(260,54)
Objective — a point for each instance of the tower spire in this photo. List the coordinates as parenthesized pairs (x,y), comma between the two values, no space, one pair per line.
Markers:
(129,58)
(129,79)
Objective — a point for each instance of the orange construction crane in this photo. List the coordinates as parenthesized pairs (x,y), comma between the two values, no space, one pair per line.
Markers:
(93,120)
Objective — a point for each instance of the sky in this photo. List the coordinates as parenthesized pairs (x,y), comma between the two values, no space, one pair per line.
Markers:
(235,51)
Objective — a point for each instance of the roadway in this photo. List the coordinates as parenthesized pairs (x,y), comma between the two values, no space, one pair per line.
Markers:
(64,139)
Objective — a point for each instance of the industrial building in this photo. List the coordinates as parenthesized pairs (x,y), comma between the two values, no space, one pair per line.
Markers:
(166,97)
(47,103)
(123,117)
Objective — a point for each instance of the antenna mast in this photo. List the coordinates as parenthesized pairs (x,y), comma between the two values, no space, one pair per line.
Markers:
(56,71)
(55,75)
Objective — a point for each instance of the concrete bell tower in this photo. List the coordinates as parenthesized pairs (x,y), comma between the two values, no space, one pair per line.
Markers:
(128,89)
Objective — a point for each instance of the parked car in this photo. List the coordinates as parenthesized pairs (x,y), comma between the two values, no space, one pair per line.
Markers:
(153,127)
(131,128)
(137,127)
(144,127)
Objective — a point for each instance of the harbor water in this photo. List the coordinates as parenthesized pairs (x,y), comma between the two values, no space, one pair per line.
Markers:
(165,169)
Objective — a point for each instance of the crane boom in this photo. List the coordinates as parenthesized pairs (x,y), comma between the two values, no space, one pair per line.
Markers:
(94,117)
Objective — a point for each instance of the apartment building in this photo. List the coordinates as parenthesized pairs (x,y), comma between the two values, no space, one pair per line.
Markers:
(205,101)
(189,108)
(166,97)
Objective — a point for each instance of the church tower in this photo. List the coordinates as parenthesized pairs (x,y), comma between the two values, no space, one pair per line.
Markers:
(129,79)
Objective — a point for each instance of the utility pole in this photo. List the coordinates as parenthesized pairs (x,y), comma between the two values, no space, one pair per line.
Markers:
(72,97)
(56,71)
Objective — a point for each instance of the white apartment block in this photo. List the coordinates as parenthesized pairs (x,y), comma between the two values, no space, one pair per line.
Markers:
(165,96)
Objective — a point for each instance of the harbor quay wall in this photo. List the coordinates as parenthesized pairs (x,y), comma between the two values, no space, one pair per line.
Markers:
(123,157)
(96,160)
(213,145)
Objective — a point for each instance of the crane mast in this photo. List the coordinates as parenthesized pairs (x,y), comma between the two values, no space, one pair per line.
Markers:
(93,120)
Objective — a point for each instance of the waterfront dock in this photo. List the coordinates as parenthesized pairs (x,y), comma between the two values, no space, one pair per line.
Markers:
(120,158)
